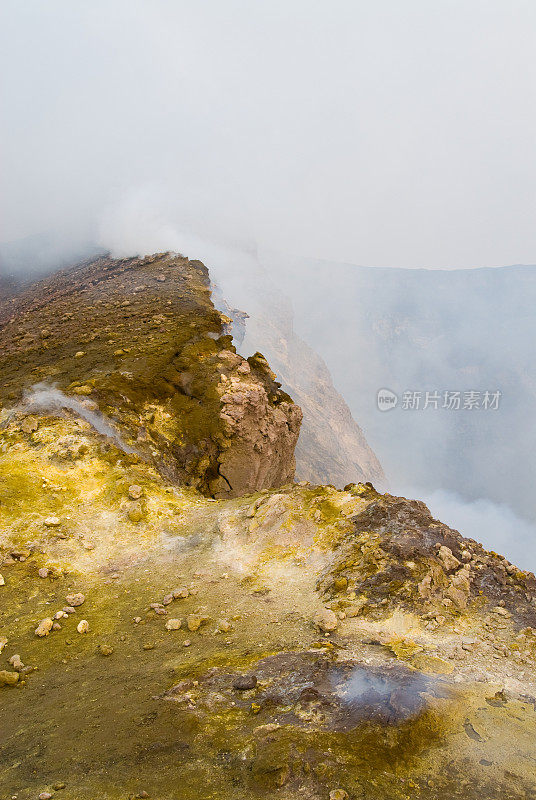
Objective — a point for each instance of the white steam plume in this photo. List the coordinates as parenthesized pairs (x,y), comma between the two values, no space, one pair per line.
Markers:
(48,398)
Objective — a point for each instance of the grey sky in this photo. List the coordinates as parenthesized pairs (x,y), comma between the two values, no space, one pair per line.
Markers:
(394,133)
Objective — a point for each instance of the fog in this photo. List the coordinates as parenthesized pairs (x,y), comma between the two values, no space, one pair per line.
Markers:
(396,134)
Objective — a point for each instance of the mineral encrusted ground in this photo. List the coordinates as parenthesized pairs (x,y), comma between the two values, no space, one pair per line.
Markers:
(329,641)
(411,694)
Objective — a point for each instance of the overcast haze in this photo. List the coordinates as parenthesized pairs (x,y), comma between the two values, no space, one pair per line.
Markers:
(381,133)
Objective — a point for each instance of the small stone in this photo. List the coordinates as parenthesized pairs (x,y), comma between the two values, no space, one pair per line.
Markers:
(326,620)
(3,642)
(44,627)
(79,354)
(167,600)
(224,625)
(245,682)
(75,599)
(56,626)
(59,785)
(69,610)
(338,794)
(135,512)
(340,584)
(8,678)
(180,594)
(2,581)
(135,491)
(16,663)
(20,555)
(194,622)
(161,278)
(29,425)
(173,624)
(186,643)
(148,646)
(44,572)
(450,562)
(105,650)
(52,522)
(45,796)
(136,620)
(59,615)
(83,626)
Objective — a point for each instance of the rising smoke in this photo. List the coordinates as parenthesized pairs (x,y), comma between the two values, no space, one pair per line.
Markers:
(43,397)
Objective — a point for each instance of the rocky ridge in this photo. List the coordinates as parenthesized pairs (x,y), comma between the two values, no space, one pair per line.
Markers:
(147,348)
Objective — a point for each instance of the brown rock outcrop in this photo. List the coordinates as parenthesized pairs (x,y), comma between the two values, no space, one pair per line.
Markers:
(262,434)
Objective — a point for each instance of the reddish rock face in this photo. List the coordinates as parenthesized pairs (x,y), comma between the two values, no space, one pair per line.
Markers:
(263,426)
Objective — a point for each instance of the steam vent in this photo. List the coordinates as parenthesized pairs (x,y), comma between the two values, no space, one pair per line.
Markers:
(180,620)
